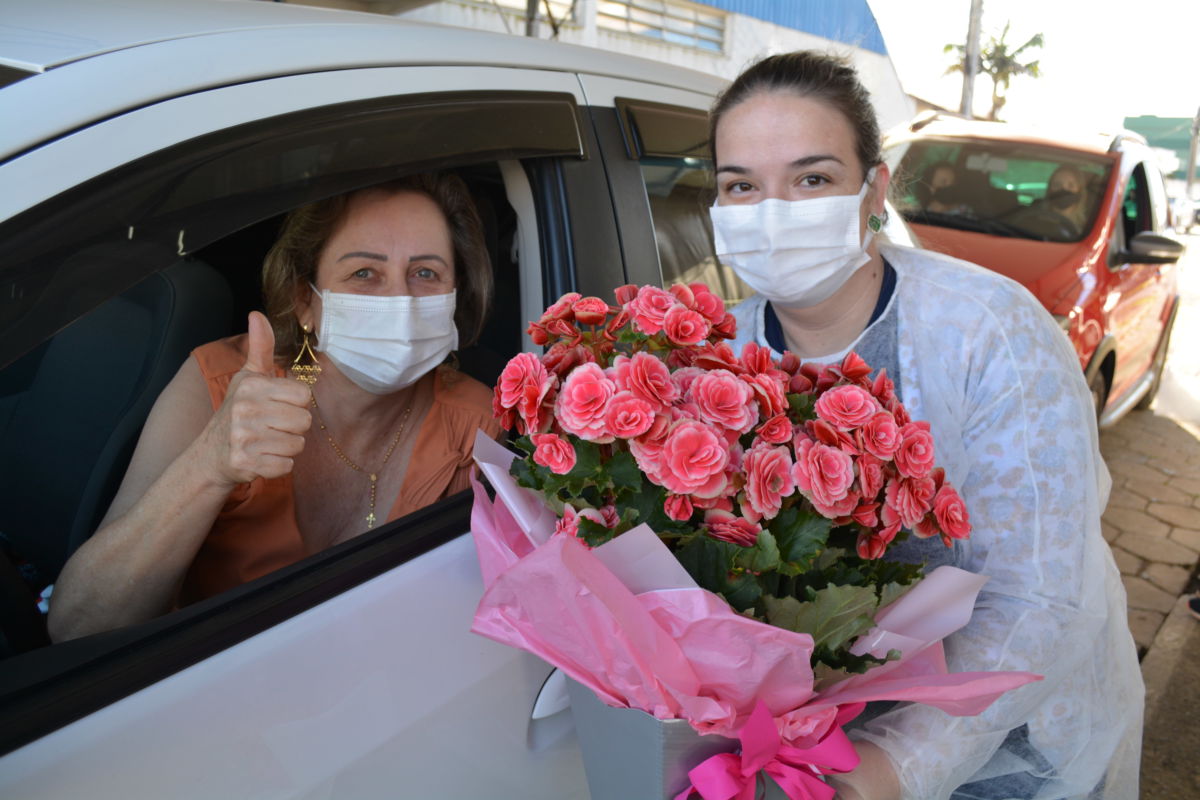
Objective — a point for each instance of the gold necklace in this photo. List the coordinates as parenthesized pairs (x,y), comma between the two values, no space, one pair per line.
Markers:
(373,476)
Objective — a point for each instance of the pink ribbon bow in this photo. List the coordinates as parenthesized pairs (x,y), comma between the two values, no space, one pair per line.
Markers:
(728,776)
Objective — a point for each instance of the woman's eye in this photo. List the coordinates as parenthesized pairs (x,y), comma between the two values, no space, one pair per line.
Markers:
(738,187)
(362,274)
(814,180)
(426,274)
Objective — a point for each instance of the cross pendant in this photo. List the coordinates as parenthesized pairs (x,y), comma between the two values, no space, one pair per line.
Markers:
(370,520)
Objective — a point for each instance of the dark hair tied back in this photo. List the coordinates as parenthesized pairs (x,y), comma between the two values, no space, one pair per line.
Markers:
(814,74)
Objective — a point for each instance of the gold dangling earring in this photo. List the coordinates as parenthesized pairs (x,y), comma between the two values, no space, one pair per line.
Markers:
(311,369)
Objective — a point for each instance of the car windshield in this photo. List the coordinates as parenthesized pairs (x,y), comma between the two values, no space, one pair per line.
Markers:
(1000,188)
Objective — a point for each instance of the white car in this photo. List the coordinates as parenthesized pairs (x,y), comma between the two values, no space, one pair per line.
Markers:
(148,151)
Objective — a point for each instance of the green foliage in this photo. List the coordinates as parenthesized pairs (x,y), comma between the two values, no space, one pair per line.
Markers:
(801,534)
(999,63)
(834,616)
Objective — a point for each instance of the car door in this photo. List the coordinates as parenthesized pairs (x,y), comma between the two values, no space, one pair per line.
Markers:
(659,165)
(1139,297)
(352,673)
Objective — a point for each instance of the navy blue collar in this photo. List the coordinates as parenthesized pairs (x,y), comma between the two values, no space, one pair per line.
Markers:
(774,330)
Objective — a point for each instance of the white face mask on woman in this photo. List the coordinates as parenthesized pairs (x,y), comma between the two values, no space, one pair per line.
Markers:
(386,343)
(794,252)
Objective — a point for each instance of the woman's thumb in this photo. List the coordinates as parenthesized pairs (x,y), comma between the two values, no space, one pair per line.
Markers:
(260,351)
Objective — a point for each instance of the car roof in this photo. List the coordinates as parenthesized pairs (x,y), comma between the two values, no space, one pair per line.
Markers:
(953,127)
(37,37)
(86,61)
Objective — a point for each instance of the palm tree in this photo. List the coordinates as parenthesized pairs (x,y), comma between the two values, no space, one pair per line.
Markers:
(999,64)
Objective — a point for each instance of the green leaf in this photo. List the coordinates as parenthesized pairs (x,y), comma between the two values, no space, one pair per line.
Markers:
(593,533)
(762,557)
(586,469)
(742,591)
(522,470)
(800,407)
(801,535)
(836,614)
(624,472)
(891,592)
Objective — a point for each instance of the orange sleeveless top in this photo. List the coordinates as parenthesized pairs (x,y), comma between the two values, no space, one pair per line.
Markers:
(256,531)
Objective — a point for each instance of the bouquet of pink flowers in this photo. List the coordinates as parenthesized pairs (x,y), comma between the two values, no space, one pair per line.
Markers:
(698,533)
(777,484)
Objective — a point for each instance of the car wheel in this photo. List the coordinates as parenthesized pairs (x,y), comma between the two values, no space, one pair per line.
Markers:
(1098,386)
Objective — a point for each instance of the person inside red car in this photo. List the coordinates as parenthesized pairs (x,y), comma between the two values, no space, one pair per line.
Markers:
(801,186)
(1067,195)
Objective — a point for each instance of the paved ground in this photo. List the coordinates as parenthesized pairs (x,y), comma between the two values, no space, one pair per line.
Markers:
(1153,525)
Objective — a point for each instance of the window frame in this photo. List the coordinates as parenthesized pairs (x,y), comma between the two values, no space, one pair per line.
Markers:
(43,690)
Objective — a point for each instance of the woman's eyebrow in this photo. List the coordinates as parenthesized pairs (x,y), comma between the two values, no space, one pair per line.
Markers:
(428,257)
(363,254)
(799,163)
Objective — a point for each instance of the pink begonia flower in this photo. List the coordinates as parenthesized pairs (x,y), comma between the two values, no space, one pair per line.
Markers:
(568,523)
(914,458)
(628,415)
(553,452)
(684,377)
(625,294)
(910,498)
(776,430)
(824,474)
(684,326)
(879,436)
(563,308)
(724,399)
(678,507)
(561,358)
(847,407)
(726,328)
(883,388)
(951,513)
(521,370)
(711,306)
(590,311)
(582,403)
(684,294)
(731,528)
(768,479)
(769,391)
(649,308)
(647,377)
(871,475)
(692,461)
(719,356)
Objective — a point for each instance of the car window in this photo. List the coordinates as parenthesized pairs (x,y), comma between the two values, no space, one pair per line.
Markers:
(110,285)
(1136,215)
(1001,188)
(671,147)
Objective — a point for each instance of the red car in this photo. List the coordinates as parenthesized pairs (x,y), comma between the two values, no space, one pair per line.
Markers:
(1080,222)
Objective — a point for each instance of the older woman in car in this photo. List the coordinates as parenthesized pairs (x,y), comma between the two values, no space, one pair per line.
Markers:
(333,414)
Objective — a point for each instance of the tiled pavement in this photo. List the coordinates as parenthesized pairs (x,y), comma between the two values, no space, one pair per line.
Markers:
(1153,517)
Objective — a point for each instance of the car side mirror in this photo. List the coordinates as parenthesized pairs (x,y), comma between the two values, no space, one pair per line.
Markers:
(1151,248)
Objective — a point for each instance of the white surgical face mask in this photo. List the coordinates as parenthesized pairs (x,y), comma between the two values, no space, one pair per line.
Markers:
(794,252)
(386,343)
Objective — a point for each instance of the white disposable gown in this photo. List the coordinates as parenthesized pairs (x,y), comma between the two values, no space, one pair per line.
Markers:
(982,361)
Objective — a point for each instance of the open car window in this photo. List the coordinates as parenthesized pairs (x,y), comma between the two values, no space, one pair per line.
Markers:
(108,287)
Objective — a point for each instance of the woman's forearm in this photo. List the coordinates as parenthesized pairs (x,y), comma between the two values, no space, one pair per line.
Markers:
(130,568)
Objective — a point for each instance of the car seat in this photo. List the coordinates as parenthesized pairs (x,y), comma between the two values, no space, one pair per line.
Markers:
(71,410)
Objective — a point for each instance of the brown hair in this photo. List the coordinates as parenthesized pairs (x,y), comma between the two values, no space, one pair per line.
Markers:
(291,263)
(808,73)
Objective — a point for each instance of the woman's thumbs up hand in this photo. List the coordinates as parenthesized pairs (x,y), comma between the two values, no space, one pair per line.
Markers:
(259,428)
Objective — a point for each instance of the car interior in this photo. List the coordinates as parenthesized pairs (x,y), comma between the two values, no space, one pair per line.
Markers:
(72,408)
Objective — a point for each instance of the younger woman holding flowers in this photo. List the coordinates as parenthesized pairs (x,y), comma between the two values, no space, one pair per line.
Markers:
(801,187)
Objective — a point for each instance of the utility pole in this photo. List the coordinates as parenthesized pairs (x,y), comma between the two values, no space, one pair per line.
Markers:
(1191,162)
(531,7)
(971,56)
